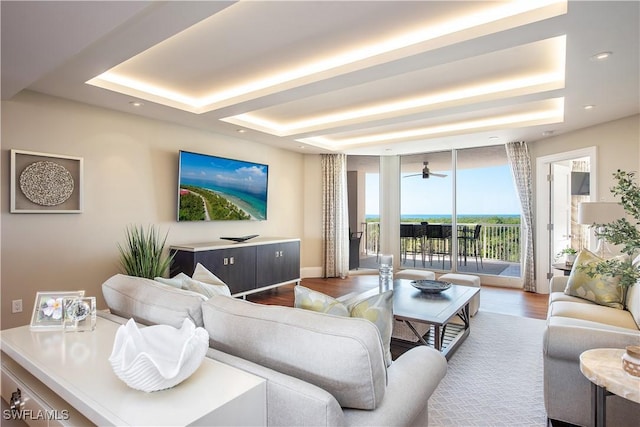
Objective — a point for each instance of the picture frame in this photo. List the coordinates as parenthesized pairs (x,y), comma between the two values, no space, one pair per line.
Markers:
(48,310)
(45,183)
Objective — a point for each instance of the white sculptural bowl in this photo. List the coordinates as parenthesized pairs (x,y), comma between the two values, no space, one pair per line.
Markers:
(157,357)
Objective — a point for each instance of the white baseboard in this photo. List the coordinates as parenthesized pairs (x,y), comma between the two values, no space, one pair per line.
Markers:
(310,272)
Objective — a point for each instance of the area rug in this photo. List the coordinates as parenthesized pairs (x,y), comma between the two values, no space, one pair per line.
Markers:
(495,376)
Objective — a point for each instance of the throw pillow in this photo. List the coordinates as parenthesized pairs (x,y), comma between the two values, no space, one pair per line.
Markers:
(201,274)
(205,282)
(206,289)
(175,281)
(309,299)
(378,309)
(602,290)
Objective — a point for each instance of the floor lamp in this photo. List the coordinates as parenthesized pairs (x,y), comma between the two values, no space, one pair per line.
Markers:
(600,213)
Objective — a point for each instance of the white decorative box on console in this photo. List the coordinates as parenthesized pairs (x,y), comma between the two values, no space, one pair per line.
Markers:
(75,367)
(246,267)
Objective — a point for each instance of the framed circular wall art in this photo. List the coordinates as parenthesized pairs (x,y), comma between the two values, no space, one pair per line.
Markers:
(45,183)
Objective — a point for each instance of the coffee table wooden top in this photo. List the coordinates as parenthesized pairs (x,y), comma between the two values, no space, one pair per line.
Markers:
(435,308)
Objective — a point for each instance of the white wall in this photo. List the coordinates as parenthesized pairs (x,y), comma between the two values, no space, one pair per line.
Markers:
(617,143)
(312,256)
(617,146)
(130,177)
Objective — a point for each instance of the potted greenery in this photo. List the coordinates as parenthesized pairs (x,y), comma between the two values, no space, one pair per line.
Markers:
(622,232)
(569,255)
(143,252)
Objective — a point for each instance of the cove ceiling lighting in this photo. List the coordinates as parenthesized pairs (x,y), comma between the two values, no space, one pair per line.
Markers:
(497,16)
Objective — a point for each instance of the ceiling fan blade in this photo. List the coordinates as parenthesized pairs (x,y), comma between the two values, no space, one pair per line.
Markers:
(439,175)
(415,174)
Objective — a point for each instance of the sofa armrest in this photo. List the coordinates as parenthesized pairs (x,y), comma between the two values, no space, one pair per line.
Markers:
(290,401)
(412,379)
(558,283)
(568,338)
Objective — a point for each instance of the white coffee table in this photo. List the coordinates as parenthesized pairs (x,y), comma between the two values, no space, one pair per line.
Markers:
(71,372)
(603,367)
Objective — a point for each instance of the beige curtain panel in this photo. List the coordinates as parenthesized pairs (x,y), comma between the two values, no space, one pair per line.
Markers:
(520,163)
(335,220)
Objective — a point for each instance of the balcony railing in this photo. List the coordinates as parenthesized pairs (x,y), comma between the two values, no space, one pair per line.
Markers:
(496,241)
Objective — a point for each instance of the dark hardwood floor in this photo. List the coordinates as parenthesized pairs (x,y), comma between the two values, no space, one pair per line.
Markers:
(494,299)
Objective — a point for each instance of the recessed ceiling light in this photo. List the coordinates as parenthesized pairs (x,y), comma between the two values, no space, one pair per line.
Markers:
(241,130)
(589,107)
(547,133)
(136,103)
(601,56)
(302,147)
(493,138)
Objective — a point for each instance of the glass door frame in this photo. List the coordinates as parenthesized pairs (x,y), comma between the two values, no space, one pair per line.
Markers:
(390,213)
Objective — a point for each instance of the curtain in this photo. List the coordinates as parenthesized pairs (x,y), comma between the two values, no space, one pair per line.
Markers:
(518,155)
(335,220)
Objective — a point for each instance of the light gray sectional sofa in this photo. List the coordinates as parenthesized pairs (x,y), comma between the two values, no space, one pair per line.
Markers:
(575,325)
(321,370)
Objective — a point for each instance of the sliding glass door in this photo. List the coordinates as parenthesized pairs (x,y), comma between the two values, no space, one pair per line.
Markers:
(487,213)
(458,210)
(426,208)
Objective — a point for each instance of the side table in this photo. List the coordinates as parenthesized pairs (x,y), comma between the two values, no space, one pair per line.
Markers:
(566,269)
(603,367)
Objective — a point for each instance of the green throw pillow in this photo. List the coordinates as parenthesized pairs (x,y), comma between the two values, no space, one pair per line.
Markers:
(309,299)
(378,309)
(602,290)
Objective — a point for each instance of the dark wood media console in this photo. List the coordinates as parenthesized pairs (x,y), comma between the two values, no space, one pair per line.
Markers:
(246,267)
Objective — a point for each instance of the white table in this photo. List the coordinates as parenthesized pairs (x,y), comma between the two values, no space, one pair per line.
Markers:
(74,366)
(603,367)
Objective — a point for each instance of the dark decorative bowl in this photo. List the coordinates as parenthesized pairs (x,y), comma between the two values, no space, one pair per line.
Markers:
(430,286)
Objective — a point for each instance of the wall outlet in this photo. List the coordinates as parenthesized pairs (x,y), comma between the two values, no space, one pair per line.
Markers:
(16,306)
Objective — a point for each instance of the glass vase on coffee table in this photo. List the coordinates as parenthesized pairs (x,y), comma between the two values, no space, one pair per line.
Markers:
(385,273)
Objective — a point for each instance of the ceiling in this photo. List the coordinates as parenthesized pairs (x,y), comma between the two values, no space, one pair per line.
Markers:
(359,77)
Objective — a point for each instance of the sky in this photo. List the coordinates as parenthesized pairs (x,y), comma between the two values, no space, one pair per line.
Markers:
(482,191)
(224,172)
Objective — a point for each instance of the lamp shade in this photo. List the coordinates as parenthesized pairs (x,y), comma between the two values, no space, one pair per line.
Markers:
(599,212)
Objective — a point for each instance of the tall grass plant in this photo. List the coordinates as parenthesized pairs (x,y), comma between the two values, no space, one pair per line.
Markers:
(142,254)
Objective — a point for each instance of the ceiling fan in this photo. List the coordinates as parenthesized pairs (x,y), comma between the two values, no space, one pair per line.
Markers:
(426,173)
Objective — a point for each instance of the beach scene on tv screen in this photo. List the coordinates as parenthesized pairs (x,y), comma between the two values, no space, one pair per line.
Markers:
(215,189)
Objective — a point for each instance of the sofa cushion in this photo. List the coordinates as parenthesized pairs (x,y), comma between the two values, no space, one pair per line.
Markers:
(150,302)
(342,355)
(561,296)
(373,306)
(601,289)
(593,313)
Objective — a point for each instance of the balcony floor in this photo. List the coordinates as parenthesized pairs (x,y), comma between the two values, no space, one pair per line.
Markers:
(489,266)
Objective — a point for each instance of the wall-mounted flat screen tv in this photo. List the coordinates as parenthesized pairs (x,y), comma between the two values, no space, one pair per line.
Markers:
(215,188)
